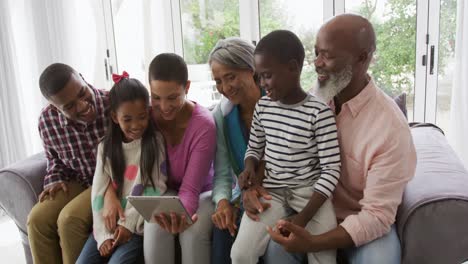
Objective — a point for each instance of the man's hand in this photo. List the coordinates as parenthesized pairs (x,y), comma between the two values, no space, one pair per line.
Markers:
(174,223)
(52,190)
(297,240)
(251,201)
(225,217)
(106,248)
(297,219)
(112,209)
(121,236)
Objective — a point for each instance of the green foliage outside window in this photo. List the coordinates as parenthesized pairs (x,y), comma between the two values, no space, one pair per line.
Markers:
(220,20)
(394,62)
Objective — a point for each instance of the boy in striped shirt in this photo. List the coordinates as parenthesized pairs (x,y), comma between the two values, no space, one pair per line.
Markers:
(296,135)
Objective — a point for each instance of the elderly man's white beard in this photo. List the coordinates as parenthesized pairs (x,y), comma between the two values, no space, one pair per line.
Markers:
(334,85)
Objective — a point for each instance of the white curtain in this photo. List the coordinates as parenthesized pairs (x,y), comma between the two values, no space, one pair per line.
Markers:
(458,133)
(12,145)
(138,27)
(34,34)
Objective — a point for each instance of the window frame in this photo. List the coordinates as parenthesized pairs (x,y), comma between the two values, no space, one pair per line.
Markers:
(427,35)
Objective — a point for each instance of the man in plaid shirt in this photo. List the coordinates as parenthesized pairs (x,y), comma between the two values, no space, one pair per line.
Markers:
(71,127)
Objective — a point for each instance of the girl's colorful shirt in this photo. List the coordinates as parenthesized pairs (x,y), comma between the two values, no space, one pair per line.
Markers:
(132,185)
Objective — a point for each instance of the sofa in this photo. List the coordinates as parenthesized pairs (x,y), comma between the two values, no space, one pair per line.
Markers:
(430,221)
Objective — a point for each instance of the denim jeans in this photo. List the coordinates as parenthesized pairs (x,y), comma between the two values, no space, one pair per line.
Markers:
(277,254)
(384,250)
(221,247)
(130,252)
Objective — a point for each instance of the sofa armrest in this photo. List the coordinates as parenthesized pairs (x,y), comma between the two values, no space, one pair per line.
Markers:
(20,185)
(431,218)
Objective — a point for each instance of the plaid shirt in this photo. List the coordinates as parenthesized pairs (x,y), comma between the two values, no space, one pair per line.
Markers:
(71,147)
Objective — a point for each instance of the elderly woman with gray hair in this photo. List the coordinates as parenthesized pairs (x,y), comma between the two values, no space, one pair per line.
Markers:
(232,67)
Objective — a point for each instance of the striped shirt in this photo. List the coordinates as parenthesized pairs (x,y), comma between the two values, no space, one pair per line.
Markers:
(70,147)
(298,142)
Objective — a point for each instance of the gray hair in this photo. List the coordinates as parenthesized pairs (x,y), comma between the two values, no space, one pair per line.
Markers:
(233,52)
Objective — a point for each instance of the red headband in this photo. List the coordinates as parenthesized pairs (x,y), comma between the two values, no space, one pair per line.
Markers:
(117,78)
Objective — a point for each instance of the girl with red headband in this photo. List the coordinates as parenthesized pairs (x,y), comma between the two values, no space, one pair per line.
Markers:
(131,159)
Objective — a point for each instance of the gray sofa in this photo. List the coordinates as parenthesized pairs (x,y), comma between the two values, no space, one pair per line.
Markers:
(431,219)
(20,185)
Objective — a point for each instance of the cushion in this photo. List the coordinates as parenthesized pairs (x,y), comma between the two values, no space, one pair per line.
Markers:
(400,100)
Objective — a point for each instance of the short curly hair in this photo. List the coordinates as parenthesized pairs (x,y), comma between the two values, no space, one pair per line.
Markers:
(283,45)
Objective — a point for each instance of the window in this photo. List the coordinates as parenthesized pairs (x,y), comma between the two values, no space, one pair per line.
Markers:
(410,35)
(129,33)
(137,32)
(301,18)
(394,22)
(204,22)
(447,35)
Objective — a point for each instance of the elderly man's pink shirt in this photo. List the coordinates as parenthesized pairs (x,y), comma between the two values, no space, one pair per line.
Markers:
(378,159)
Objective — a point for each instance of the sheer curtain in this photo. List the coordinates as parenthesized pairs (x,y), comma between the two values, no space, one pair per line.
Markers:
(459,107)
(12,144)
(138,27)
(34,34)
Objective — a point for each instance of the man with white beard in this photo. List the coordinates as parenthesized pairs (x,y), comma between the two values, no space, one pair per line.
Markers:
(335,84)
(377,153)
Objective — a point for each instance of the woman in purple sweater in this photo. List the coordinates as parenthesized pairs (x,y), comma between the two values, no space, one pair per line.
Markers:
(190,134)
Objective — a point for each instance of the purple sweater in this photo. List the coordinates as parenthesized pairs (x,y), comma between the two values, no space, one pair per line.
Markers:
(191,161)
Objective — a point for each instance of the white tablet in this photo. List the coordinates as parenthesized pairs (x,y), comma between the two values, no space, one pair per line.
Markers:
(149,206)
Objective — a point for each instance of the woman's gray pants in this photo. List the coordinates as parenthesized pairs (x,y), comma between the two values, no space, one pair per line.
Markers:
(195,242)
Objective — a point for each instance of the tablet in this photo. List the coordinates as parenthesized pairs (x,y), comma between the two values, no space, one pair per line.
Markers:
(149,206)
